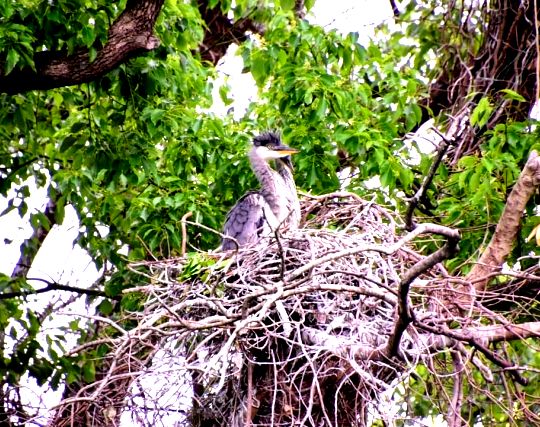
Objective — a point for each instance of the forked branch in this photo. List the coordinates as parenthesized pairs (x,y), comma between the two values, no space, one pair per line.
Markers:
(404,314)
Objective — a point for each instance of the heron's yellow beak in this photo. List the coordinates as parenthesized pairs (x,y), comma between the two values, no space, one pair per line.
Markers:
(285,150)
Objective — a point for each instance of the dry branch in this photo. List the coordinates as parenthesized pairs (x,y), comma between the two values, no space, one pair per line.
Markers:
(508,332)
(420,195)
(404,312)
(29,248)
(505,56)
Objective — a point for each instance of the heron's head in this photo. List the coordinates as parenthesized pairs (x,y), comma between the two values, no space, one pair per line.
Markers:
(269,146)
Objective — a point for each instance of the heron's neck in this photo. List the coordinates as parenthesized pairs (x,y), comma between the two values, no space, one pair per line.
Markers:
(267,178)
(277,188)
(261,168)
(291,196)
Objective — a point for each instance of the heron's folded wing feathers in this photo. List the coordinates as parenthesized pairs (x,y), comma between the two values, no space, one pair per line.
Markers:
(246,221)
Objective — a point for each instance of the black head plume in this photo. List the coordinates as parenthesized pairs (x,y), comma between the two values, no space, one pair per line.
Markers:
(267,139)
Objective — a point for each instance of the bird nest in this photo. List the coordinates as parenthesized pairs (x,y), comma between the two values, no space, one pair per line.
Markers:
(291,331)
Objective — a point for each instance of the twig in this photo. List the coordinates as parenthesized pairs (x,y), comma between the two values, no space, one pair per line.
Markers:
(184,232)
(281,254)
(421,193)
(421,229)
(337,194)
(145,246)
(249,403)
(537,45)
(473,341)
(454,418)
(96,318)
(53,286)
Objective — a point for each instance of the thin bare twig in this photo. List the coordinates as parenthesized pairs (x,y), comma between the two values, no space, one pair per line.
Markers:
(422,191)
(184,231)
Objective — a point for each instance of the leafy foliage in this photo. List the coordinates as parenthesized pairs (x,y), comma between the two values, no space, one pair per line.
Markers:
(137,149)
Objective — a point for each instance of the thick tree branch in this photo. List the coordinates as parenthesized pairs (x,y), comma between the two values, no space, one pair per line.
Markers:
(498,333)
(221,32)
(130,35)
(300,9)
(478,338)
(507,229)
(404,316)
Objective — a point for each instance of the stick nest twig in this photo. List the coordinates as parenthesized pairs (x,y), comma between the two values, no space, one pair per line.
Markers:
(294,328)
(316,326)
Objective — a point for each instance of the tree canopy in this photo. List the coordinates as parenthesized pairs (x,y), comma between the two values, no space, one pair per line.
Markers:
(107,105)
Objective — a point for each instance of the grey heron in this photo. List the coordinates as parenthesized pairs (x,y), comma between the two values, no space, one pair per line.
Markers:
(259,213)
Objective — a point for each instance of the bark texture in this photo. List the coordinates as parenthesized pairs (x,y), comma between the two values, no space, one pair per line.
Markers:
(221,32)
(506,232)
(130,35)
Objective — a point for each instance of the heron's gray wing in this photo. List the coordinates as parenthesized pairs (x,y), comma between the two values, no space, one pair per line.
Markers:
(246,221)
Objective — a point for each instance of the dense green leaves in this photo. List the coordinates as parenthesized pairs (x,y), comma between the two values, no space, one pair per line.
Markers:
(331,94)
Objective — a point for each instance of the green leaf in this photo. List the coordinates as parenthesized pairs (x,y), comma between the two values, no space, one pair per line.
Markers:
(92,54)
(321,109)
(512,95)
(481,113)
(224,95)
(308,97)
(105,307)
(8,208)
(89,371)
(13,333)
(309,4)
(225,5)
(11,60)
(41,370)
(78,126)
(260,68)
(74,325)
(156,115)
(387,175)
(488,163)
(287,4)
(474,180)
